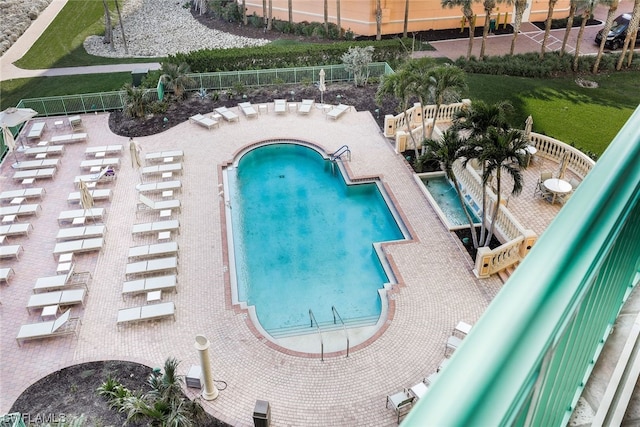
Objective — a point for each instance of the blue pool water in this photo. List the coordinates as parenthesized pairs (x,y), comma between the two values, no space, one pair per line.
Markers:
(447,199)
(303,238)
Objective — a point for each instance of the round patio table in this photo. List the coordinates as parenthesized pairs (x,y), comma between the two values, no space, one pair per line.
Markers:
(557,186)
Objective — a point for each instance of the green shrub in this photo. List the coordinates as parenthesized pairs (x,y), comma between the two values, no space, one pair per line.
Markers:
(278,56)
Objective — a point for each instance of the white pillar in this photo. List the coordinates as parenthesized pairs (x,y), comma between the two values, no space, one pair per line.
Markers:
(202,344)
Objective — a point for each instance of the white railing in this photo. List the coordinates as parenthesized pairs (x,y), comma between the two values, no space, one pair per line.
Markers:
(550,148)
(413,116)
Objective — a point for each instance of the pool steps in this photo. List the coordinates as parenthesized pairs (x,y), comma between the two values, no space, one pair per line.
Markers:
(324,327)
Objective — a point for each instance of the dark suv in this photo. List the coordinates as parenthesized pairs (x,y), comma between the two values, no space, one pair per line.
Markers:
(618,32)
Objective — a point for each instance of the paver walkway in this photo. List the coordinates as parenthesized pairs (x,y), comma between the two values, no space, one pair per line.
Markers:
(437,288)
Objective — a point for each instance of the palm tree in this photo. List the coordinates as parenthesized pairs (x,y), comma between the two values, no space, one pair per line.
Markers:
(406,18)
(290,6)
(135,101)
(378,20)
(488,5)
(503,150)
(547,26)
(585,17)
(338,20)
(446,83)
(520,6)
(175,77)
(264,12)
(476,120)
(467,12)
(573,5)
(401,86)
(326,17)
(124,39)
(446,151)
(613,7)
(108,31)
(245,21)
(270,18)
(632,34)
(418,72)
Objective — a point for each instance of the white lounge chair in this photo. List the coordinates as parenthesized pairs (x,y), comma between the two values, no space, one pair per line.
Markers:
(305,106)
(107,174)
(337,111)
(113,162)
(75,123)
(103,150)
(155,227)
(228,115)
(146,312)
(88,232)
(20,229)
(280,106)
(36,130)
(63,298)
(69,216)
(5,274)
(156,187)
(35,174)
(401,402)
(70,280)
(10,251)
(26,193)
(158,265)
(248,110)
(161,155)
(78,246)
(51,150)
(150,284)
(148,204)
(69,138)
(159,169)
(155,250)
(204,121)
(100,194)
(21,210)
(36,164)
(63,325)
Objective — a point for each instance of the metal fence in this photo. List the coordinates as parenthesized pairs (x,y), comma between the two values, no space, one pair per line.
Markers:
(228,80)
(528,358)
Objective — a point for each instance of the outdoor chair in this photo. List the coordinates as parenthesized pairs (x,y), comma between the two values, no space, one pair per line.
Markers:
(147,312)
(26,193)
(248,110)
(337,111)
(452,345)
(63,325)
(305,106)
(204,121)
(150,284)
(63,298)
(100,194)
(35,174)
(540,188)
(401,403)
(107,174)
(20,229)
(148,204)
(79,246)
(11,251)
(36,130)
(70,280)
(280,106)
(69,138)
(228,115)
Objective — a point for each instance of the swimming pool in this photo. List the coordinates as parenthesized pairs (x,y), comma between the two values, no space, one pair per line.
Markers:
(303,239)
(444,199)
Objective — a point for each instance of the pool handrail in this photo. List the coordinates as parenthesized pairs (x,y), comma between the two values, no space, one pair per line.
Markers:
(313,319)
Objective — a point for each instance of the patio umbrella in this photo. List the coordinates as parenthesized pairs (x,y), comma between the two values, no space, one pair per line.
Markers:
(134,148)
(528,125)
(564,162)
(9,141)
(86,199)
(322,87)
(13,116)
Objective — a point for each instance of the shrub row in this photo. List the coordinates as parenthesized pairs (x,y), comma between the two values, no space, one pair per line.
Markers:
(275,56)
(530,64)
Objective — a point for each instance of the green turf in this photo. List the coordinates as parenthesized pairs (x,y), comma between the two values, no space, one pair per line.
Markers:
(586,118)
(61,43)
(13,91)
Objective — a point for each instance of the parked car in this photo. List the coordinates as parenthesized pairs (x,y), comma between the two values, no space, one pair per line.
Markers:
(618,32)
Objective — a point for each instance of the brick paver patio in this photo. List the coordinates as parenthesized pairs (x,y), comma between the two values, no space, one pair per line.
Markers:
(437,286)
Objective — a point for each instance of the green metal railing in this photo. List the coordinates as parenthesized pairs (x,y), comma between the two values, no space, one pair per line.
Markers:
(229,80)
(527,359)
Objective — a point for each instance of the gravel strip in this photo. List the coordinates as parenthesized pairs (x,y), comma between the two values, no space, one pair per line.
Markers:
(158,28)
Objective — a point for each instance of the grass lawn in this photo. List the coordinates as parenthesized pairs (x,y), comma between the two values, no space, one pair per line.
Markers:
(586,118)
(61,43)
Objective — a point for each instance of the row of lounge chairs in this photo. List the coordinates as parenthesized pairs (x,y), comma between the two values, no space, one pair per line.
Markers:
(152,268)
(402,402)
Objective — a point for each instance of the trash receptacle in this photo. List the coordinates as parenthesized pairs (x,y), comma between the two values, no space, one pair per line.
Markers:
(261,414)
(492,25)
(137,75)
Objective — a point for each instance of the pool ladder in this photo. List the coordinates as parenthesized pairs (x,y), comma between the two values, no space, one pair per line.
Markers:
(336,316)
(340,151)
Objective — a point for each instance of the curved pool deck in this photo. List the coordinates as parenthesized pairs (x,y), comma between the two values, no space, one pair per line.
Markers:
(436,290)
